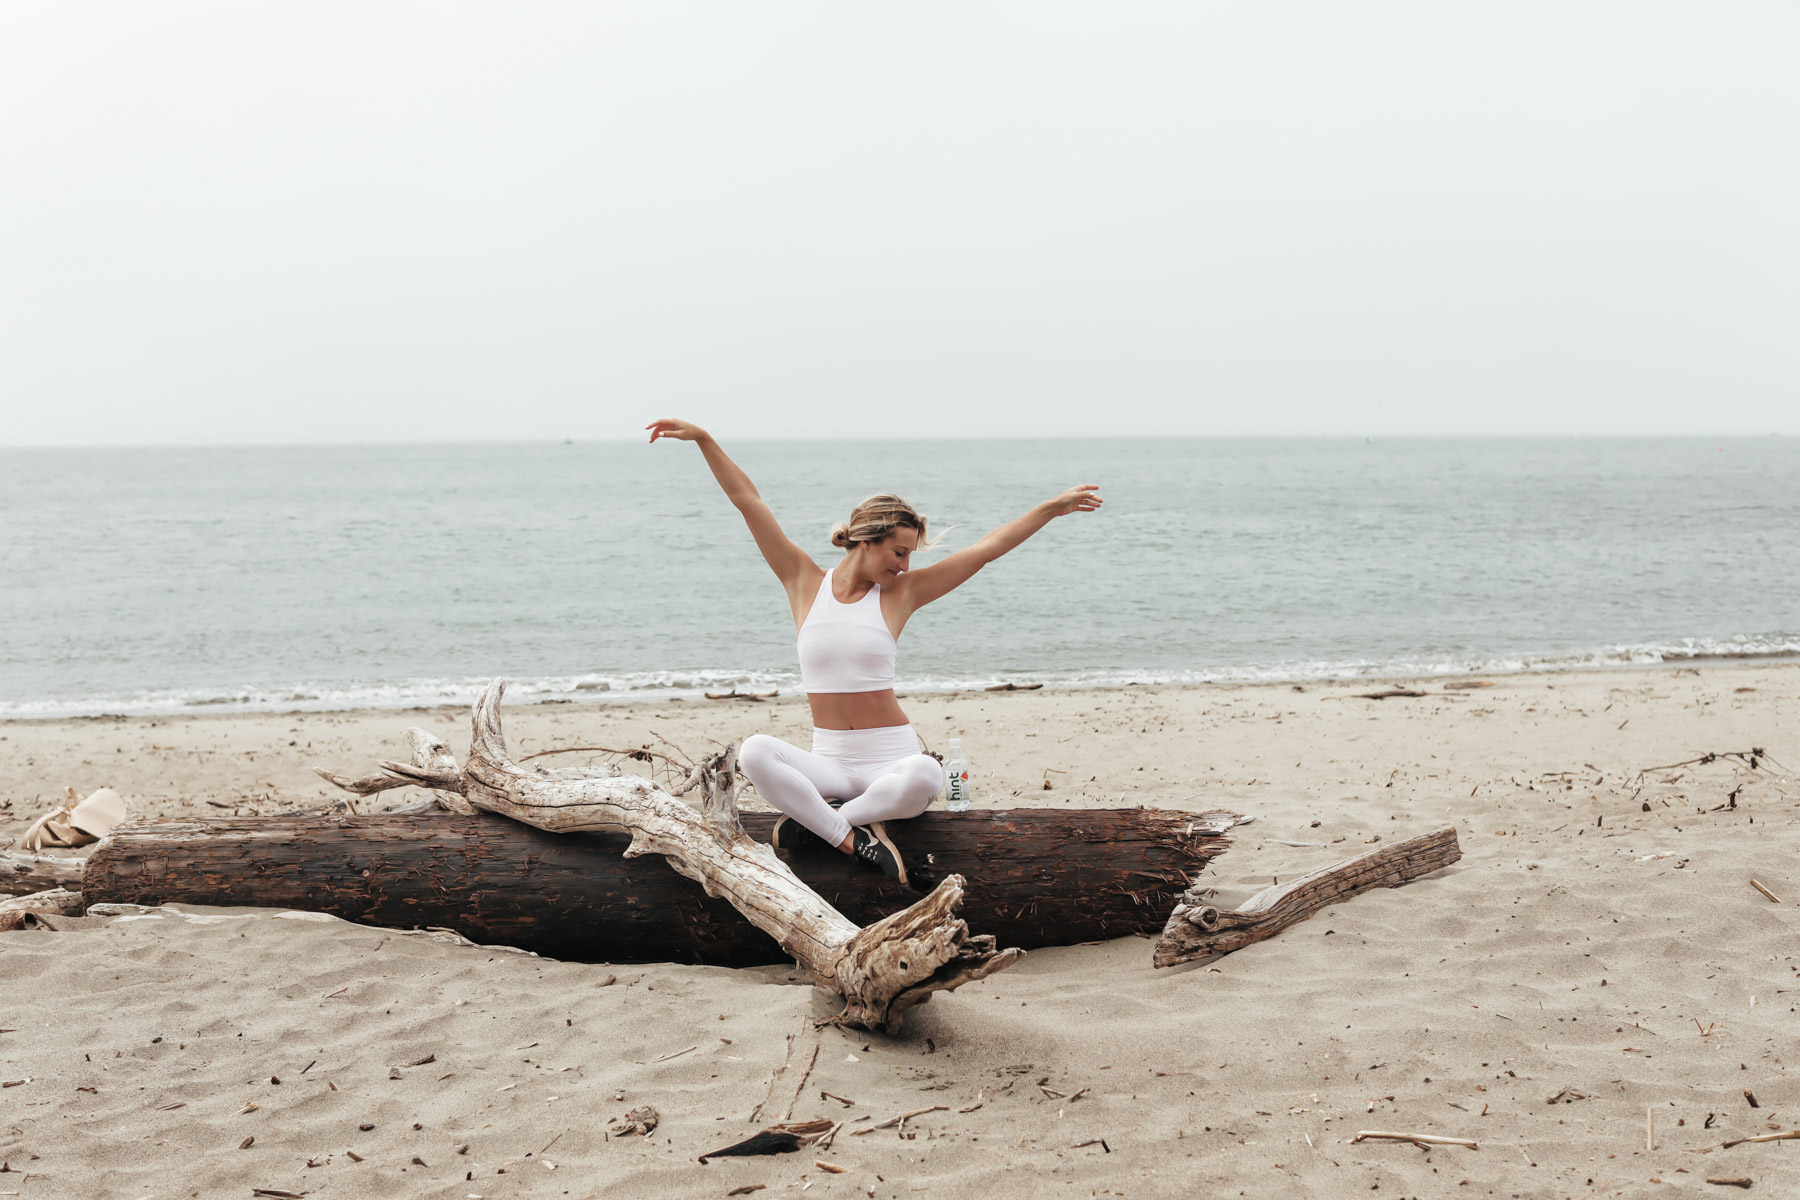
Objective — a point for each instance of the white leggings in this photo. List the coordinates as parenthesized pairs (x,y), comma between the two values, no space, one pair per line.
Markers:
(879,772)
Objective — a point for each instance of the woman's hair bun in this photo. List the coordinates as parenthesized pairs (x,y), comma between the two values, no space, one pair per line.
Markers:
(876,518)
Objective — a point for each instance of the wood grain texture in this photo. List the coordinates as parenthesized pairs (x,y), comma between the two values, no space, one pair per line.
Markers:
(1196,929)
(1036,877)
(22,874)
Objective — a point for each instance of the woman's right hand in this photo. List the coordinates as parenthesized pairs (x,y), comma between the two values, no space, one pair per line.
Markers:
(668,427)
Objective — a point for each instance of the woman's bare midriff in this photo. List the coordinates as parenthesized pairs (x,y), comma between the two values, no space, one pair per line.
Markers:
(856,710)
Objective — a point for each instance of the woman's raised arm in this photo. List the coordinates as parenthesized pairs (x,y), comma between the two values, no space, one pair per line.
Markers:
(925,584)
(789,562)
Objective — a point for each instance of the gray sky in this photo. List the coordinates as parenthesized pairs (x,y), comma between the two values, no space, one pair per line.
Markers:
(231,222)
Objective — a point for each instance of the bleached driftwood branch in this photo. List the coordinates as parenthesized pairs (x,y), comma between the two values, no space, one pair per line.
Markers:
(22,874)
(433,766)
(1197,929)
(881,971)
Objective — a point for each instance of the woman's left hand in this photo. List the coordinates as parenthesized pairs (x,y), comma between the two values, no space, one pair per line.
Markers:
(1083,498)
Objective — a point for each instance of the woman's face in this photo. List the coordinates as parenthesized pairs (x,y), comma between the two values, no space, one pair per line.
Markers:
(887,560)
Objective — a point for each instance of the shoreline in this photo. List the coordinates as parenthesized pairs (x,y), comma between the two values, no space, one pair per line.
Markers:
(168,764)
(607,699)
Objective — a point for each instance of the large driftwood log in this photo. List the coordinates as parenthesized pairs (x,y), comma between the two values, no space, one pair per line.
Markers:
(22,874)
(1037,877)
(881,971)
(1197,929)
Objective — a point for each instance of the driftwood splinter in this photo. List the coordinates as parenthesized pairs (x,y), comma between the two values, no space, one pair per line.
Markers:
(1197,929)
(1417,1139)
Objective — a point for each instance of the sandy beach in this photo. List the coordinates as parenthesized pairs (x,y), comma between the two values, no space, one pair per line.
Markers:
(1598,956)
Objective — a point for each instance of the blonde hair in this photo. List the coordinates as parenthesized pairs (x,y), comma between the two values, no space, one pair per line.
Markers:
(876,518)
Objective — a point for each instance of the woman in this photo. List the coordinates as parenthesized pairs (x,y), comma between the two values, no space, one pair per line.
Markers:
(849,620)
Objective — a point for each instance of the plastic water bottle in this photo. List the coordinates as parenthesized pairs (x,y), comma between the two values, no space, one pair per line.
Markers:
(956,777)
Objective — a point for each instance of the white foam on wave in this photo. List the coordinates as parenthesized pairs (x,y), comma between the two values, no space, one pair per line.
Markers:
(415,693)
(687,685)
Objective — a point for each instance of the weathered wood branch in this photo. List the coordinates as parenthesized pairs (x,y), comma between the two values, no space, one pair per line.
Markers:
(1197,928)
(22,874)
(433,766)
(1037,877)
(881,971)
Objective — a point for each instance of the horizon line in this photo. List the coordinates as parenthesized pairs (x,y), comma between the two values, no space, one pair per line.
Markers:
(1072,437)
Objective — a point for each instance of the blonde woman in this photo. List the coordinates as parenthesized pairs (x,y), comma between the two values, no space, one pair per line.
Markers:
(864,752)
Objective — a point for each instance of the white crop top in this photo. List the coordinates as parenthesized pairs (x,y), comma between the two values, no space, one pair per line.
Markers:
(846,647)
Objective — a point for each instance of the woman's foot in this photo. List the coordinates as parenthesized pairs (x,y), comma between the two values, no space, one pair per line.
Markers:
(790,834)
(873,849)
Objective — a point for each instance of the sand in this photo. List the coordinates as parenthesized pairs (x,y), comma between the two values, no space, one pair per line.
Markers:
(1584,946)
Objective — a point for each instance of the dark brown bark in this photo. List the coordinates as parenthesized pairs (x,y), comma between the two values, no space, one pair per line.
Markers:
(1036,877)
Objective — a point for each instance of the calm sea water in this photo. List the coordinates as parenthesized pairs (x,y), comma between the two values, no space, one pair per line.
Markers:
(155,580)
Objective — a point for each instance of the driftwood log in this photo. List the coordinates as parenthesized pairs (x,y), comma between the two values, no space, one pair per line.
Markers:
(1197,929)
(1037,877)
(23,874)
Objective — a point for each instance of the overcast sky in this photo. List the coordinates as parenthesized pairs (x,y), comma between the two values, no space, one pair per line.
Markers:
(259,222)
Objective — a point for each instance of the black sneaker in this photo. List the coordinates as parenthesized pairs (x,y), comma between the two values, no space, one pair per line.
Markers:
(790,834)
(873,849)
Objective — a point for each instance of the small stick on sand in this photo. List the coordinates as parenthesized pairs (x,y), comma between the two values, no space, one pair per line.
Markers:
(1765,891)
(905,1117)
(828,1166)
(823,1095)
(796,1042)
(1788,1136)
(805,1074)
(1723,1182)
(773,1079)
(902,1119)
(1649,1128)
(1418,1139)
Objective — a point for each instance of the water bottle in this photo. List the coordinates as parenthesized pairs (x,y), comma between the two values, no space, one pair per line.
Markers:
(956,777)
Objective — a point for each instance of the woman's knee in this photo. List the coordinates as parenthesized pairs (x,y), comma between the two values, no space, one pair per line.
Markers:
(924,779)
(759,752)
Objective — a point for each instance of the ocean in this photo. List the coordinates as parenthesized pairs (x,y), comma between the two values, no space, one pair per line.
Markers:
(163,580)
